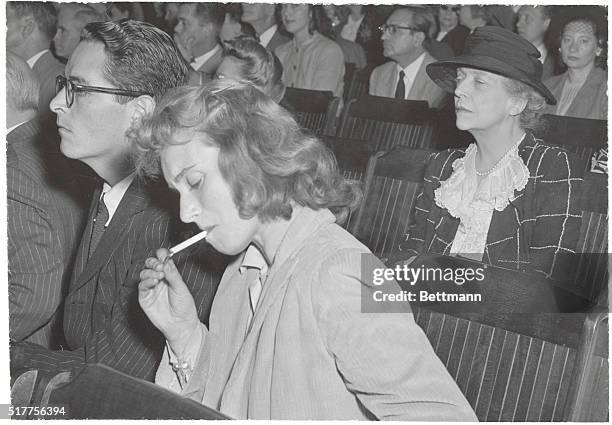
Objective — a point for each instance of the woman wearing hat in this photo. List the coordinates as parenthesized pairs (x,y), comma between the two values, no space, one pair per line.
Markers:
(508,199)
(582,90)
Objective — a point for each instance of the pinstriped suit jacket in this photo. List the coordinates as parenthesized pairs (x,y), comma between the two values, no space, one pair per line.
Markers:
(537,232)
(45,220)
(46,69)
(103,322)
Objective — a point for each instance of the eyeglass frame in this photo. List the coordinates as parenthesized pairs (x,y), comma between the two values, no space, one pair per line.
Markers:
(384,27)
(62,82)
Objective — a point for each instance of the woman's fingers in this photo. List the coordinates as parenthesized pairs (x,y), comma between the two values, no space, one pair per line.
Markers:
(148,284)
(151,274)
(171,273)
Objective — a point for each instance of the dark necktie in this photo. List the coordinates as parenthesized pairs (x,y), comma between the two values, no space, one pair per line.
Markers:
(400,91)
(98,226)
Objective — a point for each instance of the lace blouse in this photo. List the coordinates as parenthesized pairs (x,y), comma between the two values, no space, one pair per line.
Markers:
(473,202)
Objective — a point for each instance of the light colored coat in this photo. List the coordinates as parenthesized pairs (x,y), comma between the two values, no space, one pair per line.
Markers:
(310,352)
(383,82)
(591,100)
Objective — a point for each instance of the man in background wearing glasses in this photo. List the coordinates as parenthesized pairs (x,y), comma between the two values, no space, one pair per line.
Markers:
(113,78)
(407,31)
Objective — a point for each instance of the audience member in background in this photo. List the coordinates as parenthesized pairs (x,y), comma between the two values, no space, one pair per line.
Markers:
(45,216)
(247,61)
(170,16)
(360,27)
(508,200)
(233,27)
(30,28)
(197,36)
(310,61)
(330,19)
(112,81)
(450,30)
(404,77)
(288,338)
(71,19)
(500,16)
(472,16)
(532,25)
(262,16)
(121,10)
(582,90)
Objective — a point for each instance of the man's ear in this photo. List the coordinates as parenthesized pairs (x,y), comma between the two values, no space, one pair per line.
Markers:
(419,38)
(27,26)
(142,107)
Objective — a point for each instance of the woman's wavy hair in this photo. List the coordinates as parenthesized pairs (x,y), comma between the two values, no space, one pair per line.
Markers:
(530,117)
(269,162)
(257,66)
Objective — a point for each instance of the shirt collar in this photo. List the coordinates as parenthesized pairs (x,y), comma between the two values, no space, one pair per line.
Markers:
(253,258)
(201,60)
(411,70)
(114,194)
(32,61)
(543,52)
(8,130)
(266,36)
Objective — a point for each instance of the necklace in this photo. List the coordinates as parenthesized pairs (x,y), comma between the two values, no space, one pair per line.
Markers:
(499,161)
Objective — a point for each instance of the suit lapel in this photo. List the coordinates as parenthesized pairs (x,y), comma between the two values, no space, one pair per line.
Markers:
(134,201)
(420,80)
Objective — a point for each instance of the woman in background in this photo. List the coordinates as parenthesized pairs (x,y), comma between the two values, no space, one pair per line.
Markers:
(245,60)
(582,90)
(310,60)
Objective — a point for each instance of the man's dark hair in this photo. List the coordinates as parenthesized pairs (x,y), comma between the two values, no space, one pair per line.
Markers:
(43,13)
(210,13)
(140,57)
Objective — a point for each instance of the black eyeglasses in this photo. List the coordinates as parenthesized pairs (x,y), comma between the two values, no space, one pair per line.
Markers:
(72,88)
(392,28)
(453,8)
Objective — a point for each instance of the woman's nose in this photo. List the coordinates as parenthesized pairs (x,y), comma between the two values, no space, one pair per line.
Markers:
(189,210)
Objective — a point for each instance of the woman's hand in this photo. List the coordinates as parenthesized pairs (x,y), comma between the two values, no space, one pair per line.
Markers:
(167,302)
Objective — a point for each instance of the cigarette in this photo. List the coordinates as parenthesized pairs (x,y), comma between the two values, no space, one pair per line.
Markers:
(188,243)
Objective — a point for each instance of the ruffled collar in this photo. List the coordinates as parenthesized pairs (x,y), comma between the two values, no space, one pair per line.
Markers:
(464,198)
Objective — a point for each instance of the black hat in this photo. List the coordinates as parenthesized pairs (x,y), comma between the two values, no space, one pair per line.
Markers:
(495,50)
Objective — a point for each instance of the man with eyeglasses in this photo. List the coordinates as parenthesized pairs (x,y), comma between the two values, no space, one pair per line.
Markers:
(114,77)
(407,31)
(450,30)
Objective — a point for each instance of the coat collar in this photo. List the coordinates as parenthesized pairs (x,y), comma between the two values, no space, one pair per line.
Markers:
(24,131)
(133,202)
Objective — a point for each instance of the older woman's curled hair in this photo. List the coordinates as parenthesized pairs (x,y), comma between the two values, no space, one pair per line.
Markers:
(266,158)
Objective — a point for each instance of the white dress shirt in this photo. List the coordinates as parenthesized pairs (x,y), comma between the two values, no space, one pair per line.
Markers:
(350,29)
(196,63)
(266,36)
(32,61)
(114,194)
(410,73)
(543,52)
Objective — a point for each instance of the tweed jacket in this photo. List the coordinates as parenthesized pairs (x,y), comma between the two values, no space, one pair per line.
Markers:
(310,352)
(383,82)
(103,322)
(591,100)
(537,232)
(46,68)
(46,214)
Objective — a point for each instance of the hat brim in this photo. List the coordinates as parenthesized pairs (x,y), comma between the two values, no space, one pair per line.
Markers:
(444,73)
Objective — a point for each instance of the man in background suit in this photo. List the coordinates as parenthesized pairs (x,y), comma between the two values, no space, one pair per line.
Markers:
(129,218)
(262,16)
(532,25)
(71,19)
(45,214)
(30,28)
(404,77)
(197,36)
